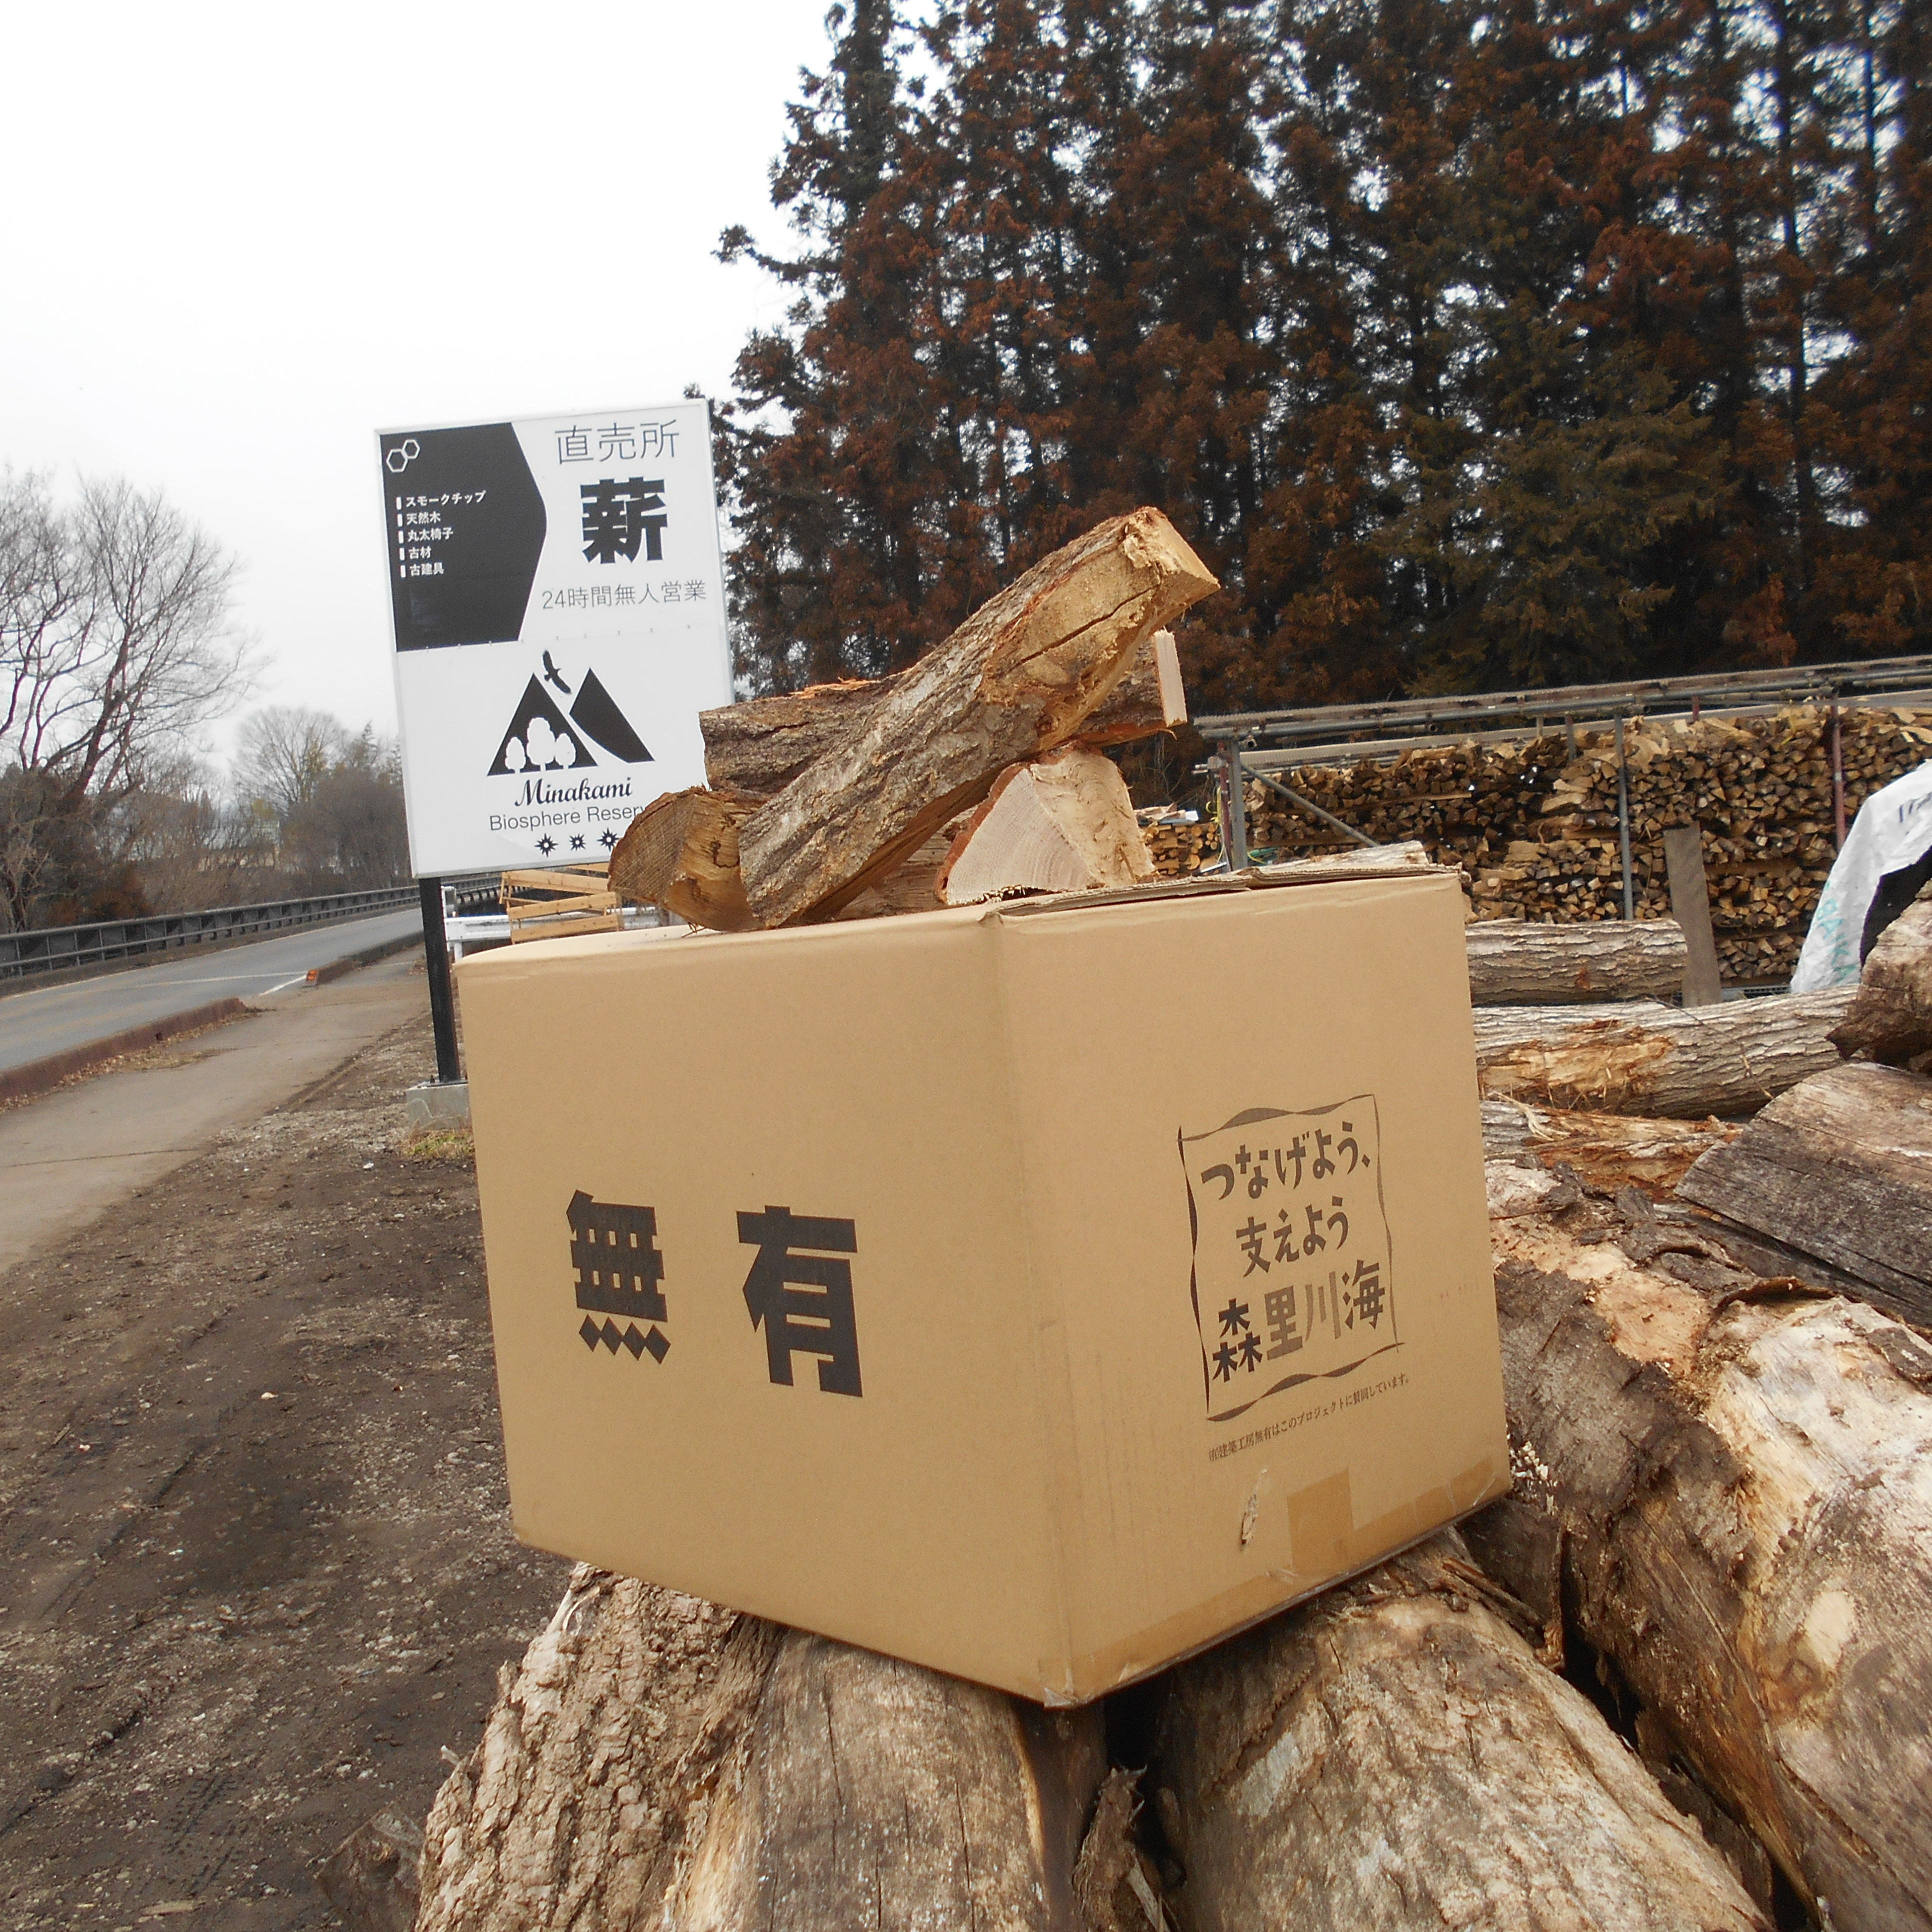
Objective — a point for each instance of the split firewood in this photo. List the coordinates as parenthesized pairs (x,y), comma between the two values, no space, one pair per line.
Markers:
(1891,1016)
(1513,964)
(1642,1058)
(761,746)
(1742,1484)
(658,1761)
(1018,678)
(1392,1756)
(1062,823)
(1839,1167)
(681,853)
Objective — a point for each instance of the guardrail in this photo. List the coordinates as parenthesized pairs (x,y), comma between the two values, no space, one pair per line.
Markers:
(57,949)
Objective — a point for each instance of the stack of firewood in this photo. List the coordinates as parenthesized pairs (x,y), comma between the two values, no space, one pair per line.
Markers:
(1684,1666)
(1533,825)
(1178,843)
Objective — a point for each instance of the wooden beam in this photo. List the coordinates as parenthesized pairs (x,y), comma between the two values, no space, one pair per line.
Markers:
(1691,906)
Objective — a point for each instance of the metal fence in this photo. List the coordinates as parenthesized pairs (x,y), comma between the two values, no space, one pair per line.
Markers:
(60,948)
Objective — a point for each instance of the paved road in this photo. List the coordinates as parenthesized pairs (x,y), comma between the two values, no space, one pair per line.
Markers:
(50,1019)
(68,1155)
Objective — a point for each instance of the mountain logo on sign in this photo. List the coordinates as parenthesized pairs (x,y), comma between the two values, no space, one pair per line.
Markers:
(539,739)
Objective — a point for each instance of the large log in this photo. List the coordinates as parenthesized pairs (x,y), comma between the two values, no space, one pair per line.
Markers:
(656,1761)
(1890,1016)
(1392,1756)
(1062,823)
(1840,1167)
(1666,1061)
(1611,1151)
(1017,678)
(760,745)
(1513,963)
(1741,1483)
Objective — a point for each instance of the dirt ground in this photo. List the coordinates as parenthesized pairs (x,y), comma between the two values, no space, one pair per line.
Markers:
(258,1575)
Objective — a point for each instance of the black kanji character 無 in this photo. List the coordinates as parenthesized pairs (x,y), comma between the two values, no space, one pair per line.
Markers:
(614,1251)
(804,1301)
(615,520)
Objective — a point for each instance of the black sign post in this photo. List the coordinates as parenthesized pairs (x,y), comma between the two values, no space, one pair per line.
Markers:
(442,996)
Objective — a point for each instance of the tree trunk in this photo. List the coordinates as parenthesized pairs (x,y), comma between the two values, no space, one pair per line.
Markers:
(1017,678)
(1639,1058)
(1840,1167)
(1890,1016)
(1513,963)
(1062,823)
(761,746)
(1743,1490)
(1392,1756)
(657,1762)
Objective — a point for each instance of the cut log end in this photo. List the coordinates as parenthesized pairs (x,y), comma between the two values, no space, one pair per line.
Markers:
(681,853)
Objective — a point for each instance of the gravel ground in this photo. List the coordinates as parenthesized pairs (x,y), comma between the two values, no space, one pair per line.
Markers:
(258,1575)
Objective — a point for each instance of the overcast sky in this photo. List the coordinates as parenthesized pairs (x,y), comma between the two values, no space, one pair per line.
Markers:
(241,238)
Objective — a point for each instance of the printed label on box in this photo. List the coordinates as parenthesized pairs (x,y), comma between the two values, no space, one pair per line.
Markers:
(1290,1280)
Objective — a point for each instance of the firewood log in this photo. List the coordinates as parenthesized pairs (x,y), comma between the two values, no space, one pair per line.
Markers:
(1062,823)
(1019,677)
(1641,1058)
(761,746)
(1839,1167)
(657,1761)
(1742,1484)
(681,852)
(1392,1756)
(1513,964)
(1611,1151)
(1891,1017)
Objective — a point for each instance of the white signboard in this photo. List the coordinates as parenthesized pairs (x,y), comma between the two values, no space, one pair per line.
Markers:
(558,599)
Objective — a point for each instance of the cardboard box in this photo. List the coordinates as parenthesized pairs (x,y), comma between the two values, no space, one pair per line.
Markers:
(1038,1292)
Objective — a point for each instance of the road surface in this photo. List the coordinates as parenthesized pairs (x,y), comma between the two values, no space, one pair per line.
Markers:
(45,1020)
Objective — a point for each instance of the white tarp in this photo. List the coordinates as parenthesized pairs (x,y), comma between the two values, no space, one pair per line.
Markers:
(1893,828)
(557,595)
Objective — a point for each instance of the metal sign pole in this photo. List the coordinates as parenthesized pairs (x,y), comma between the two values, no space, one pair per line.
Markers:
(442,996)
(1237,809)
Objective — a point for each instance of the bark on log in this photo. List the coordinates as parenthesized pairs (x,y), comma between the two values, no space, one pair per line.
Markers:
(681,853)
(1840,1167)
(1891,1016)
(761,746)
(659,1762)
(1513,963)
(1392,1756)
(1608,1150)
(1744,1492)
(1062,823)
(1018,678)
(1669,1062)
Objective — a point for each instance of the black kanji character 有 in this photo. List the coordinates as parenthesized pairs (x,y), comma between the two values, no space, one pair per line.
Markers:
(1278,1307)
(1224,1174)
(615,520)
(1251,1238)
(804,1300)
(614,1249)
(1234,1317)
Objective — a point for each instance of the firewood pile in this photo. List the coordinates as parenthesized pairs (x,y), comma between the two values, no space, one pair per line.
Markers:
(1178,843)
(1533,825)
(1677,1679)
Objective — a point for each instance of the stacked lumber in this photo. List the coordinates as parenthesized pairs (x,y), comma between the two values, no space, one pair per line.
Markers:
(560,902)
(1534,824)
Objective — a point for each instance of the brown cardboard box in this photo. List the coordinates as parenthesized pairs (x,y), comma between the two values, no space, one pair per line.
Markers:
(1037,1291)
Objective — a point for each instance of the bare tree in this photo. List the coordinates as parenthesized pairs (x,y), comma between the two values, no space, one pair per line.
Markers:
(115,644)
(282,753)
(335,799)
